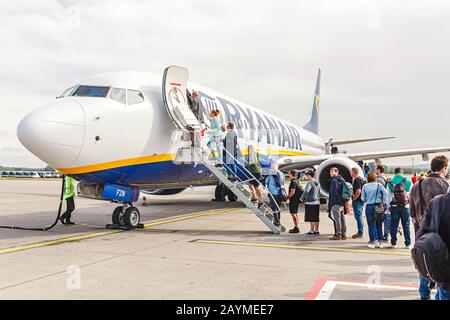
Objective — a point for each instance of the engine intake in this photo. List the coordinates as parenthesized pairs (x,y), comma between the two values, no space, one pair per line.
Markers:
(343,164)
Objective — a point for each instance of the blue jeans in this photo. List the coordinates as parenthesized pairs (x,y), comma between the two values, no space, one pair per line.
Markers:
(358,212)
(275,203)
(230,167)
(424,289)
(374,224)
(400,214)
(387,225)
(442,294)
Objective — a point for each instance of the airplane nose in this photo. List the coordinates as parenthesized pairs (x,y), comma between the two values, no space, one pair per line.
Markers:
(54,133)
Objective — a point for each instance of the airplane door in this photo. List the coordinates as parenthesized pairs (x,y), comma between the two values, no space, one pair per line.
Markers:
(174,95)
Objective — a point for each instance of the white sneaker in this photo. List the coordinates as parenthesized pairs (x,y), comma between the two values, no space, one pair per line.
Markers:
(371,246)
(394,246)
(408,247)
(379,245)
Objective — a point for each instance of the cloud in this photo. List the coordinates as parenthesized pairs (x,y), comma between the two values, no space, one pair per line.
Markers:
(382,75)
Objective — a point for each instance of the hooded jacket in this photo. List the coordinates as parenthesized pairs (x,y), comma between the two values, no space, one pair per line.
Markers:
(334,196)
(438,219)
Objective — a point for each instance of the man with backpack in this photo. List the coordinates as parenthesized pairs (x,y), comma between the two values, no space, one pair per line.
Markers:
(431,251)
(425,190)
(421,194)
(400,187)
(336,203)
(357,203)
(275,184)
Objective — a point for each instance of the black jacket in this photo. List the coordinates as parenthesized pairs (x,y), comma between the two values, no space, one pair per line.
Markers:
(335,197)
(437,217)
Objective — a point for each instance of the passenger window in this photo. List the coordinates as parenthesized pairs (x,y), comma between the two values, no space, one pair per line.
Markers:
(135,96)
(119,95)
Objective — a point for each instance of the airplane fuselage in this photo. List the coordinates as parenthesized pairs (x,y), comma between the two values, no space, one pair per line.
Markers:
(104,140)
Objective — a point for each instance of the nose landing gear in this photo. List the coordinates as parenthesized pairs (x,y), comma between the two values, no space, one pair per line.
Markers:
(125,217)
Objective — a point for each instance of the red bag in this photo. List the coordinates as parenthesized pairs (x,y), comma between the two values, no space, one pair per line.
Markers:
(347,207)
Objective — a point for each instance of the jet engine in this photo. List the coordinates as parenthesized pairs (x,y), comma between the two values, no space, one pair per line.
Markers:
(343,164)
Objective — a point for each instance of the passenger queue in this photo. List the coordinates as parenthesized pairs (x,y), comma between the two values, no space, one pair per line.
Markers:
(389,205)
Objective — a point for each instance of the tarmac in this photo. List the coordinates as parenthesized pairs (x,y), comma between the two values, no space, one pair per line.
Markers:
(190,248)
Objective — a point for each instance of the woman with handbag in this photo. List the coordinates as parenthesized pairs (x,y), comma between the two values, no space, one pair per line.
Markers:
(375,195)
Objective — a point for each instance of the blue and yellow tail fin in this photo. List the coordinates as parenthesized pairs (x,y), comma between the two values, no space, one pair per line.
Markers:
(313,123)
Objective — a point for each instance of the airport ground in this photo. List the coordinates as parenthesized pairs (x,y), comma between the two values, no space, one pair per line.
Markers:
(191,248)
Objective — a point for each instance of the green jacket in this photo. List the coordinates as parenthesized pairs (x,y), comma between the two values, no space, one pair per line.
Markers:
(69,189)
(254,166)
(397,179)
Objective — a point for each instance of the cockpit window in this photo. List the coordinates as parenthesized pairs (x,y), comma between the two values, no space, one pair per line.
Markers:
(67,92)
(119,95)
(135,96)
(91,91)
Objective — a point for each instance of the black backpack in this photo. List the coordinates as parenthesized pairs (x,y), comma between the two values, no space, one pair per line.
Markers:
(400,198)
(430,253)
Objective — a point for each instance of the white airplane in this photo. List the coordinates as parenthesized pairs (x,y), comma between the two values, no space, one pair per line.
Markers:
(115,133)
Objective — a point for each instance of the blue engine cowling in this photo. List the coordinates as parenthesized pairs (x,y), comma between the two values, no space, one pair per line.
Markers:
(120,193)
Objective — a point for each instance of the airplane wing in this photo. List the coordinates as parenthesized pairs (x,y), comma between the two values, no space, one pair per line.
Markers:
(344,142)
(396,153)
(302,162)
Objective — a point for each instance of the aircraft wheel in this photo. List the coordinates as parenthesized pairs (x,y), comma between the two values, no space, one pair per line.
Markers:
(231,196)
(117,216)
(220,192)
(132,217)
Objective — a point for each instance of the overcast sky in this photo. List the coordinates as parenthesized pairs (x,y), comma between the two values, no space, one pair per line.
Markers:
(385,63)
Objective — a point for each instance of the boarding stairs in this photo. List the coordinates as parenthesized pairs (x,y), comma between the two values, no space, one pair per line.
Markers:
(237,183)
(191,147)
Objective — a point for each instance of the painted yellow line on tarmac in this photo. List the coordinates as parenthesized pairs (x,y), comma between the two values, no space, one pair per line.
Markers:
(186,216)
(57,241)
(156,230)
(313,248)
(106,233)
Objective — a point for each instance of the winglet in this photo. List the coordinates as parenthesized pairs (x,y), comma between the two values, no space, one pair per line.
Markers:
(313,123)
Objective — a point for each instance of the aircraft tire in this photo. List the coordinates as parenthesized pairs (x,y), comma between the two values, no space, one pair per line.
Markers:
(132,217)
(231,196)
(117,216)
(220,192)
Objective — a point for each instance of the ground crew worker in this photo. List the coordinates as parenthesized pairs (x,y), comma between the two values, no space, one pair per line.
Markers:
(69,196)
